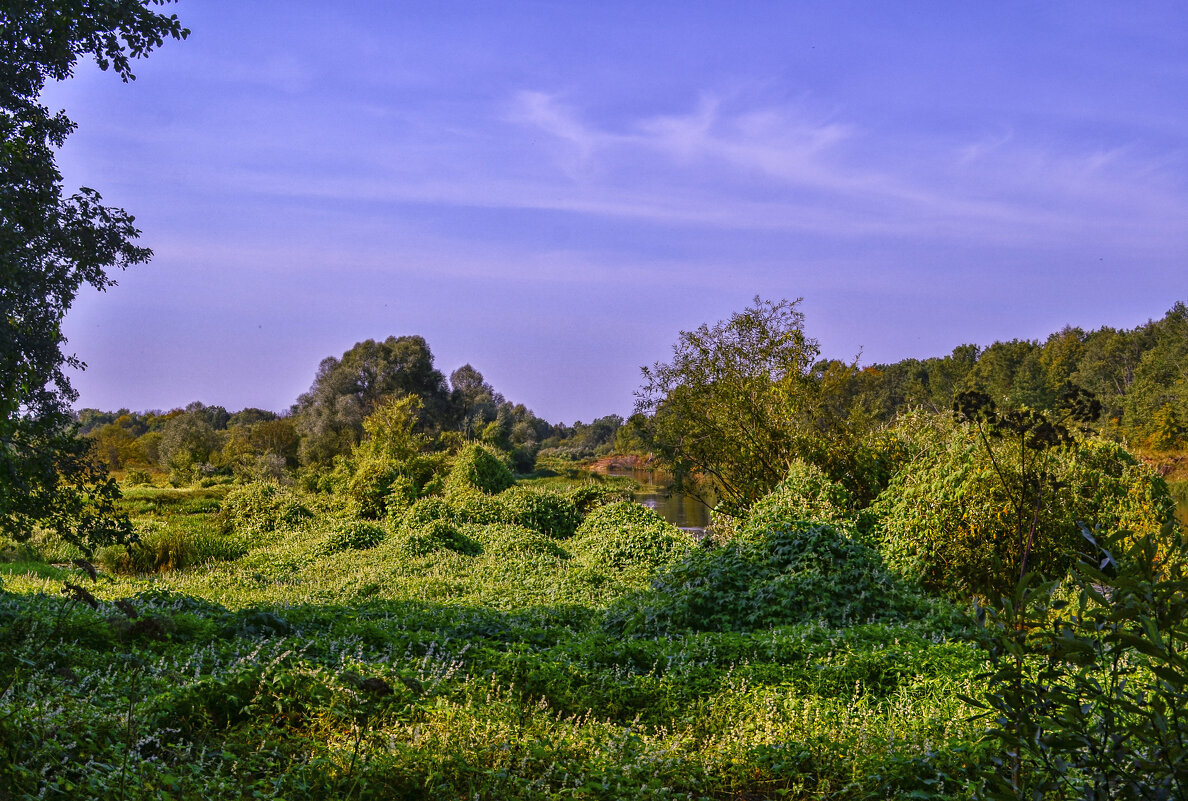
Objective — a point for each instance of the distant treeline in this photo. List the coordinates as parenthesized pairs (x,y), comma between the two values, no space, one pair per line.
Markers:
(1140,376)
(327,421)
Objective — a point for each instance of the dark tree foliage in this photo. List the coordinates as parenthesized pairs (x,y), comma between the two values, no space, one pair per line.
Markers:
(50,246)
(345,391)
(1140,377)
(250,416)
(739,401)
(476,403)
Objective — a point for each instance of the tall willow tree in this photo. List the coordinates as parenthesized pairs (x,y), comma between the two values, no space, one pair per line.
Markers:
(51,245)
(741,400)
(345,391)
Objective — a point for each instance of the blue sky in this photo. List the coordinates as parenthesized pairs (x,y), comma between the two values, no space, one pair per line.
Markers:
(551,191)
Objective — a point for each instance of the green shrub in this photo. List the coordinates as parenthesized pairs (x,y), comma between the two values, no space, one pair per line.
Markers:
(542,510)
(370,484)
(1088,693)
(587,497)
(626,534)
(469,505)
(548,512)
(353,535)
(402,494)
(427,472)
(482,468)
(793,572)
(505,540)
(424,511)
(436,535)
(466,505)
(805,494)
(949,517)
(260,508)
(138,478)
(170,549)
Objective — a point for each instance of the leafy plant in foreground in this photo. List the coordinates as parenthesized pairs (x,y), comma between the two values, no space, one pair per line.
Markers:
(1090,696)
(982,501)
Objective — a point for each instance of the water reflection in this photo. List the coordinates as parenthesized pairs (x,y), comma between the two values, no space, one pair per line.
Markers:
(687,512)
(683,511)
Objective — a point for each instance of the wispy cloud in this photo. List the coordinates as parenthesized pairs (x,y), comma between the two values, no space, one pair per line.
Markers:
(722,164)
(767,167)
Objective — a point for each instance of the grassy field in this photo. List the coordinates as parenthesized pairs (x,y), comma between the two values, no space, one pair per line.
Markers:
(315,659)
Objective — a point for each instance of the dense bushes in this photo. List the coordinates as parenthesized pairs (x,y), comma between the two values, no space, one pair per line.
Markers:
(170,548)
(424,511)
(261,508)
(625,534)
(436,535)
(507,540)
(951,517)
(548,512)
(369,485)
(379,484)
(805,494)
(348,535)
(794,571)
(781,568)
(479,467)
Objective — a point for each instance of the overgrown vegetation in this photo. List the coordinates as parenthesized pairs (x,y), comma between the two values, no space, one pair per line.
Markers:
(966,514)
(337,657)
(552,639)
(367,598)
(374,598)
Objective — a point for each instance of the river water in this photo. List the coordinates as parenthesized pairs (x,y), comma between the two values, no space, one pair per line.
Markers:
(687,512)
(654,492)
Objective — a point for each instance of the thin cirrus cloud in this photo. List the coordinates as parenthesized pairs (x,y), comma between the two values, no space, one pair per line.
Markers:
(995,188)
(722,162)
(759,168)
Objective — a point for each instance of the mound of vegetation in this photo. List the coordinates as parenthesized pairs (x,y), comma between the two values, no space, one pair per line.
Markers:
(346,535)
(587,497)
(260,508)
(481,468)
(469,505)
(548,512)
(436,535)
(376,483)
(465,506)
(509,540)
(776,573)
(805,494)
(393,465)
(424,511)
(960,518)
(625,534)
